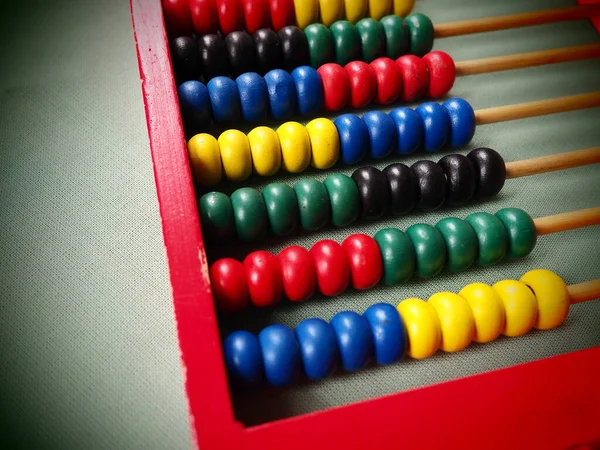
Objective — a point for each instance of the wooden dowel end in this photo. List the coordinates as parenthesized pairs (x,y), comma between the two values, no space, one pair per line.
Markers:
(584,292)
(552,163)
(567,221)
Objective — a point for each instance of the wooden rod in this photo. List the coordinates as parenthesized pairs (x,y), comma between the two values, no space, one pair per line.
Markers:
(471,26)
(530,59)
(537,108)
(584,292)
(551,163)
(567,221)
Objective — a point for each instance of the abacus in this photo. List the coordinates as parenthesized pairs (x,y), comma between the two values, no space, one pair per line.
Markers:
(306,206)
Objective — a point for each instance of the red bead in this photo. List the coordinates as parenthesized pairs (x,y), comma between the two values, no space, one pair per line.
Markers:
(363,84)
(336,86)
(263,277)
(298,273)
(415,77)
(178,19)
(331,264)
(204,16)
(283,13)
(231,15)
(364,257)
(257,15)
(442,73)
(388,79)
(228,280)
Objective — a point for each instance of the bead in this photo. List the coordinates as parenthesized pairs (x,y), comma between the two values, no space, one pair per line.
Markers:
(295,147)
(404,189)
(265,150)
(492,238)
(397,39)
(204,16)
(309,90)
(282,208)
(409,128)
(294,47)
(195,104)
(521,232)
(178,20)
(460,178)
(231,15)
(403,8)
(281,355)
(389,83)
(374,192)
(442,73)
(213,56)
(462,122)
(253,96)
(307,13)
(263,277)
(461,243)
(240,49)
(313,203)
(423,329)
(354,339)
(283,13)
(336,86)
(436,125)
(552,297)
(282,94)
(347,42)
(243,358)
(354,138)
(382,133)
(318,347)
(224,100)
(344,199)
(331,10)
(268,50)
(216,217)
(321,48)
(331,264)
(249,213)
(421,34)
(324,143)
(487,309)
(372,37)
(456,320)
(490,172)
(235,155)
(379,8)
(205,159)
(228,283)
(256,15)
(398,256)
(520,306)
(364,258)
(387,328)
(363,84)
(415,77)
(432,185)
(356,9)
(430,250)
(297,273)
(185,58)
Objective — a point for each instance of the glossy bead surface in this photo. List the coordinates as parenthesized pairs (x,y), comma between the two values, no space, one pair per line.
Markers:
(268,50)
(488,311)
(331,10)
(460,178)
(228,283)
(382,133)
(436,125)
(313,204)
(281,355)
(552,297)
(397,37)
(520,306)
(492,238)
(332,268)
(403,7)
(324,143)
(283,13)
(397,254)
(309,90)
(344,199)
(224,100)
(185,58)
(256,15)
(431,181)
(456,320)
(213,56)
(374,192)
(263,277)
(216,217)
(364,259)
(461,243)
(336,86)
(231,15)
(235,155)
(354,138)
(194,102)
(404,188)
(178,20)
(421,34)
(243,358)
(249,213)
(295,147)
(294,47)
(442,73)
(265,150)
(409,128)
(241,53)
(389,83)
(205,159)
(282,208)
(356,9)
(253,96)
(204,16)
(282,94)
(490,171)
(321,48)
(415,77)
(430,250)
(347,42)
(379,8)
(522,235)
(462,122)
(318,347)
(297,273)
(372,37)
(354,339)
(387,328)
(423,329)
(307,13)
(363,84)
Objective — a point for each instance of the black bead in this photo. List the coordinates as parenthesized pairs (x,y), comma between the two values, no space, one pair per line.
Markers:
(242,56)
(268,50)
(432,185)
(490,171)
(294,47)
(213,54)
(185,58)
(374,192)
(460,178)
(403,188)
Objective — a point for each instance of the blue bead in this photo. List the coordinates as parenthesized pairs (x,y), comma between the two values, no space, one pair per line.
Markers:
(382,133)
(253,96)
(282,94)
(354,339)
(281,354)
(409,128)
(243,358)
(462,122)
(388,331)
(318,347)
(354,138)
(225,100)
(309,89)
(436,124)
(195,104)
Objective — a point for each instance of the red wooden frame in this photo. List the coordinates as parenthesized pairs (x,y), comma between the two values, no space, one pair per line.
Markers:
(551,403)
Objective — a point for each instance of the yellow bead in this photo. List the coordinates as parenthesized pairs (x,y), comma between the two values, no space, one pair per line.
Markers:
(488,311)
(356,9)
(205,159)
(235,154)
(403,8)
(265,150)
(295,147)
(307,12)
(422,327)
(520,306)
(331,11)
(379,8)
(324,142)
(456,320)
(552,297)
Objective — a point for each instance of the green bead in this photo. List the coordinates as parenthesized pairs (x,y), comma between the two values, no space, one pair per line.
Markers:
(347,42)
(429,249)
(398,254)
(421,34)
(521,232)
(282,208)
(397,36)
(313,203)
(372,36)
(249,213)
(461,243)
(492,238)
(320,44)
(343,198)
(216,217)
